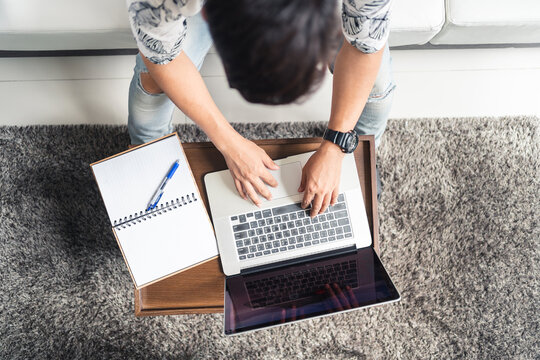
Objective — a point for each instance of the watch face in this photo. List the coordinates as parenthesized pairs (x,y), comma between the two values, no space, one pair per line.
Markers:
(351,143)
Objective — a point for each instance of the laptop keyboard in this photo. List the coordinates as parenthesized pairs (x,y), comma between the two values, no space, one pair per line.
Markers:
(289,227)
(282,288)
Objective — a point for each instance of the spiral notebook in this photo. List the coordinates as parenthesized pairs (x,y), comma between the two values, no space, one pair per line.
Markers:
(174,236)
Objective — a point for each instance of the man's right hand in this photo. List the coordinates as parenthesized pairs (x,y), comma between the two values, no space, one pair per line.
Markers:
(249,166)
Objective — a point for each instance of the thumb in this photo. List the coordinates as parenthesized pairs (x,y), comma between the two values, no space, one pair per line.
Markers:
(302,183)
(269,163)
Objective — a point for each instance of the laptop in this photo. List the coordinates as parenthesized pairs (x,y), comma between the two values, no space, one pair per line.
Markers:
(283,266)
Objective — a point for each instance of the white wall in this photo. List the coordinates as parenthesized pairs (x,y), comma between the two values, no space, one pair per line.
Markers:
(431,83)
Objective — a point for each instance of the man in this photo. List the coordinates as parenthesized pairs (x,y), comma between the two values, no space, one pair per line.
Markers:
(273,52)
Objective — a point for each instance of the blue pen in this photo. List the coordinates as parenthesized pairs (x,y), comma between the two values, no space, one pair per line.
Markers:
(159,192)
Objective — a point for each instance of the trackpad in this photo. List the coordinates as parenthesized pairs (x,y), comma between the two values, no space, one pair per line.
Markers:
(288,177)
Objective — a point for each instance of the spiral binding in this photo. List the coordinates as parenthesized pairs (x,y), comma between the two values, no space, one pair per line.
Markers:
(141,216)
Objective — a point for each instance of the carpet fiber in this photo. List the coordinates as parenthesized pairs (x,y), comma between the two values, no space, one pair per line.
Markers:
(459,221)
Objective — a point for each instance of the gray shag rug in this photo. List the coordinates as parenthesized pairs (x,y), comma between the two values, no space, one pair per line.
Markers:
(459,221)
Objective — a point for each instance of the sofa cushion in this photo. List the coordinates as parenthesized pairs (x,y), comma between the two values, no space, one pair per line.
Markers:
(415,22)
(490,22)
(64,25)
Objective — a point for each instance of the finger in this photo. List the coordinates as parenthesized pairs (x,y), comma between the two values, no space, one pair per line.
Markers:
(302,182)
(261,188)
(342,298)
(354,301)
(268,178)
(308,198)
(251,193)
(335,195)
(316,206)
(326,202)
(240,189)
(269,163)
(333,298)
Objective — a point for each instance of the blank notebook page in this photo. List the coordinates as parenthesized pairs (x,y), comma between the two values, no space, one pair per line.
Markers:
(164,242)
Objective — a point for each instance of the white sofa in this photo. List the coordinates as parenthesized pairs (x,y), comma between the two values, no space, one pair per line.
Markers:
(32,25)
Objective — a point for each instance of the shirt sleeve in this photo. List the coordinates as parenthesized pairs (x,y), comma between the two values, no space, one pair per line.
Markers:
(365,23)
(159,28)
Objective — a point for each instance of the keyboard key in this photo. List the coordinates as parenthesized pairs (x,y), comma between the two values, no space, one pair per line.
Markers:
(277,219)
(323,233)
(343,221)
(287,233)
(249,215)
(341,197)
(282,226)
(290,224)
(261,222)
(339,206)
(293,216)
(266,252)
(260,247)
(270,237)
(242,257)
(340,237)
(339,230)
(284,248)
(259,231)
(315,242)
(294,232)
(290,247)
(333,223)
(242,251)
(348,235)
(258,254)
(331,232)
(275,228)
(234,218)
(255,240)
(278,235)
(307,243)
(267,230)
(323,240)
(341,214)
(284,242)
(306,221)
(258,215)
(275,251)
(331,238)
(269,221)
(347,228)
(250,256)
(276,244)
(302,230)
(326,225)
(286,209)
(239,243)
(298,223)
(310,228)
(252,248)
(242,218)
(247,242)
(240,235)
(329,216)
(300,239)
(315,220)
(301,214)
(318,227)
(299,245)
(251,232)
(322,218)
(268,245)
(315,235)
(262,238)
(240,227)
(285,218)
(307,237)
(292,240)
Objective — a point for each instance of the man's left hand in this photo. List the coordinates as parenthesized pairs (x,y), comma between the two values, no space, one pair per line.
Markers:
(320,178)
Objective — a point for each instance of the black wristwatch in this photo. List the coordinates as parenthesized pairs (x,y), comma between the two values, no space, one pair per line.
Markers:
(346,141)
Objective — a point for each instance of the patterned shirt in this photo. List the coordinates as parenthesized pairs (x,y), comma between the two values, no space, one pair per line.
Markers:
(159,26)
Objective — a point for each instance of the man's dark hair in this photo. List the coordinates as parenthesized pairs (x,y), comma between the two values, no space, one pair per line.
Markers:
(274,51)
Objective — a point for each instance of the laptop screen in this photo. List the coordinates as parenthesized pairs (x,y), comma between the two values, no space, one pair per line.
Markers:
(301,291)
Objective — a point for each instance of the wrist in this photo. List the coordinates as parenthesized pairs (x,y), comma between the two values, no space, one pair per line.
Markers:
(328,147)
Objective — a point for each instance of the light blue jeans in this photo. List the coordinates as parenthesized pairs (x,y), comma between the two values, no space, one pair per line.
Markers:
(150,115)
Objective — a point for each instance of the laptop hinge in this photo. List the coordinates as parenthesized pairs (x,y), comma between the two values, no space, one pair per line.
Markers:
(298,260)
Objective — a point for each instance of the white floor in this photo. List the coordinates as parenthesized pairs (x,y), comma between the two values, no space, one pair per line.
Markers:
(431,83)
